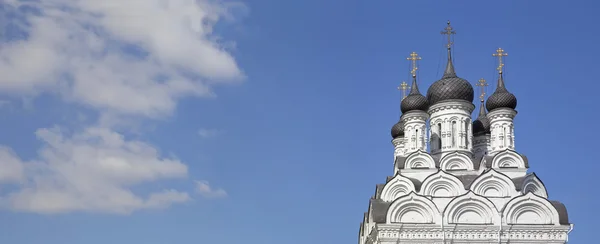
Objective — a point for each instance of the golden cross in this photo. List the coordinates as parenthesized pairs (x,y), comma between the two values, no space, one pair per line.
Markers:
(482,84)
(403,87)
(449,31)
(414,57)
(500,53)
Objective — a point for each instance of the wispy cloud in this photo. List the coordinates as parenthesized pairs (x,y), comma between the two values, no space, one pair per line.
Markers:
(206,133)
(204,189)
(90,171)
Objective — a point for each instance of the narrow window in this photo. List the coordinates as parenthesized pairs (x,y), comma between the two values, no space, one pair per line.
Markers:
(505,136)
(417,142)
(467,122)
(453,134)
(439,135)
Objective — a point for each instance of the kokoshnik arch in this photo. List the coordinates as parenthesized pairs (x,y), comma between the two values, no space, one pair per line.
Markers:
(471,186)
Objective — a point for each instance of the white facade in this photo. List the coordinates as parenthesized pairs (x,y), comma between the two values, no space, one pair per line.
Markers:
(503,135)
(497,202)
(415,131)
(465,189)
(451,127)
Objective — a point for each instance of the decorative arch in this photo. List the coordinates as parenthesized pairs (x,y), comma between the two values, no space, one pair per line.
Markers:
(456,161)
(442,184)
(494,184)
(533,184)
(397,187)
(530,209)
(419,160)
(508,159)
(413,208)
(471,208)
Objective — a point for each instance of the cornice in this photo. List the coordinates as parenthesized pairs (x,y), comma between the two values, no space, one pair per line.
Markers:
(414,115)
(451,104)
(470,233)
(502,113)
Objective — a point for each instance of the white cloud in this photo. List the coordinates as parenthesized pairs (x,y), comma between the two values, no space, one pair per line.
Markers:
(11,169)
(76,48)
(204,189)
(206,133)
(125,59)
(92,171)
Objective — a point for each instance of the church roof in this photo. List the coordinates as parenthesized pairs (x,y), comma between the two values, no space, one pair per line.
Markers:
(450,87)
(415,100)
(481,125)
(378,207)
(501,98)
(398,130)
(563,215)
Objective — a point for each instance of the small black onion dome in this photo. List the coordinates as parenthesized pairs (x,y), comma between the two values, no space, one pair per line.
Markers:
(398,130)
(501,98)
(414,100)
(450,87)
(482,124)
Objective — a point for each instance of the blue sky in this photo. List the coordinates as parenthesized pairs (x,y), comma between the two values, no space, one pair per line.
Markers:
(262,121)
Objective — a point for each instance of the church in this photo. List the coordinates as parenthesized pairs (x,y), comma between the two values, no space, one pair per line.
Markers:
(457,179)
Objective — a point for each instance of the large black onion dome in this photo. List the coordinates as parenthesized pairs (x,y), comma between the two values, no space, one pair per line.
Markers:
(450,87)
(501,98)
(414,100)
(398,130)
(482,124)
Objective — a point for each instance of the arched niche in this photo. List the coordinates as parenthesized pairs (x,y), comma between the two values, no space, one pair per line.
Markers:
(530,209)
(471,209)
(494,184)
(442,184)
(456,161)
(508,159)
(413,209)
(533,184)
(419,160)
(397,187)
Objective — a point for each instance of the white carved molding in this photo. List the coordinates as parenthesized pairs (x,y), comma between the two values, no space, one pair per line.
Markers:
(530,209)
(442,184)
(494,184)
(397,187)
(471,209)
(413,208)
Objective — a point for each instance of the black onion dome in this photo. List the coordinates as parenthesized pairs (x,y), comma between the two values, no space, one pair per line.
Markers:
(398,130)
(501,98)
(482,124)
(414,100)
(450,87)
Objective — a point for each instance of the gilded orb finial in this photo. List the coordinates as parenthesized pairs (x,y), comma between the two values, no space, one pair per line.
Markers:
(482,84)
(414,57)
(403,86)
(449,31)
(500,54)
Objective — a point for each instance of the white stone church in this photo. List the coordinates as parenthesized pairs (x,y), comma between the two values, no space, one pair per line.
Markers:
(472,186)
